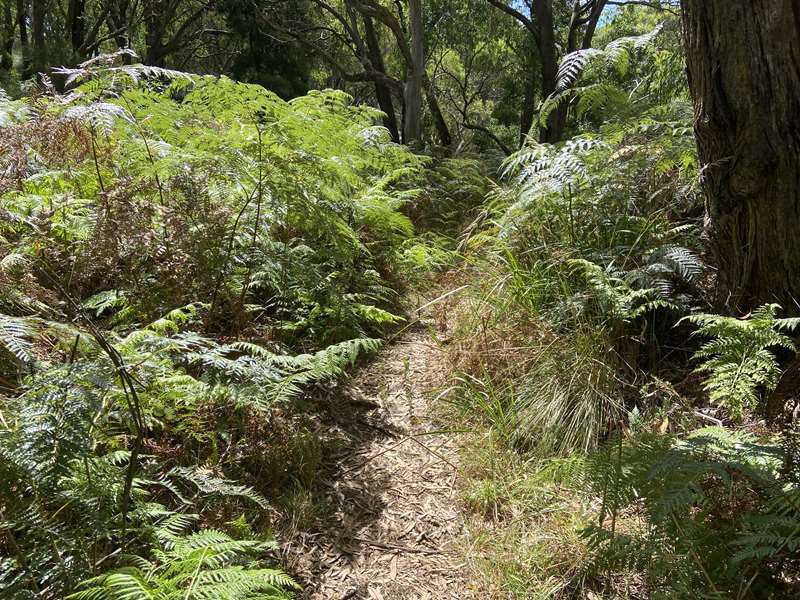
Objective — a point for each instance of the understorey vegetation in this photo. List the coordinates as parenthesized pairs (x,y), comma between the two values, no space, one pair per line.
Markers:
(212,213)
(184,260)
(622,443)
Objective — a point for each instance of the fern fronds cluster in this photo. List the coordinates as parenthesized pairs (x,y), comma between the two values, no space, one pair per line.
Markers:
(739,360)
(180,256)
(690,491)
(205,564)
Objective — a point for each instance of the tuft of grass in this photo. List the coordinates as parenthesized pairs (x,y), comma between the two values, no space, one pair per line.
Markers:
(522,531)
(571,397)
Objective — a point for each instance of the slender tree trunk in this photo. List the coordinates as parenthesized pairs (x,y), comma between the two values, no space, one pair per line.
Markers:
(22,23)
(558,122)
(117,22)
(412,127)
(442,131)
(39,11)
(744,75)
(591,26)
(528,110)
(77,25)
(548,55)
(37,27)
(8,36)
(382,92)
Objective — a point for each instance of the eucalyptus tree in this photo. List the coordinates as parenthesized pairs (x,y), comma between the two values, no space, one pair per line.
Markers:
(557,28)
(382,43)
(744,74)
(543,20)
(477,69)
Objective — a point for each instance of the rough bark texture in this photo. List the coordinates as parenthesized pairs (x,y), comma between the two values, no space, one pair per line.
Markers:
(383,93)
(744,74)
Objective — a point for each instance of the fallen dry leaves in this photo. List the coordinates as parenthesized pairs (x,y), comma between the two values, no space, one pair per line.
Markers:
(391,521)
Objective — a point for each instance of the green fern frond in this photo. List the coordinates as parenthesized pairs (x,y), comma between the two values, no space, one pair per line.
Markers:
(201,565)
(15,337)
(738,360)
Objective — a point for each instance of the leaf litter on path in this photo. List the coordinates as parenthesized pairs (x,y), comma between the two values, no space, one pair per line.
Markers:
(391,522)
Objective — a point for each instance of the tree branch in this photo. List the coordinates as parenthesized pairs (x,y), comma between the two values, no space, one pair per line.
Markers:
(654,5)
(488,133)
(510,10)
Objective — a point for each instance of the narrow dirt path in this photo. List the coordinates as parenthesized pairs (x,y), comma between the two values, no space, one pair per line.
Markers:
(391,519)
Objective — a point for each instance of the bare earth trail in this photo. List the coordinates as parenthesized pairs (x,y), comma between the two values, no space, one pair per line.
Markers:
(391,521)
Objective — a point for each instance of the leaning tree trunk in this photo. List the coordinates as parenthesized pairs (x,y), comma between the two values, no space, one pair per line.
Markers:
(744,75)
(442,130)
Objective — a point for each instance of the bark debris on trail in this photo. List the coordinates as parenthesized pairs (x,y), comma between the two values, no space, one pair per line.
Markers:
(391,521)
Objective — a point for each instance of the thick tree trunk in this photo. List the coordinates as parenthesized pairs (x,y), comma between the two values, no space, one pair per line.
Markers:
(412,127)
(155,27)
(382,92)
(744,74)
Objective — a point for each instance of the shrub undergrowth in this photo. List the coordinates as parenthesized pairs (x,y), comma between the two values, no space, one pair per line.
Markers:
(590,469)
(186,264)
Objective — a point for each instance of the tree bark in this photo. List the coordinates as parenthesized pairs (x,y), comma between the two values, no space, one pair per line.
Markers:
(548,55)
(528,110)
(118,21)
(37,24)
(442,131)
(412,127)
(38,12)
(744,75)
(541,26)
(8,36)
(154,32)
(383,93)
(22,23)
(76,15)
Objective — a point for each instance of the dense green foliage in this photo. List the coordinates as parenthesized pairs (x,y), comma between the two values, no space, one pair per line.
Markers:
(580,375)
(169,244)
(190,264)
